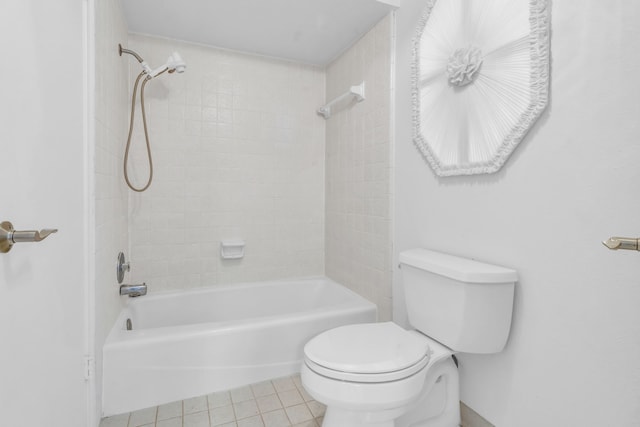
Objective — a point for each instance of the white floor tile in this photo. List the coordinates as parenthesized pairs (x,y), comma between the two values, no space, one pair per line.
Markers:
(283,384)
(241,394)
(198,419)
(222,415)
(143,416)
(219,399)
(290,398)
(251,422)
(115,421)
(276,419)
(305,395)
(269,403)
(170,410)
(297,381)
(316,408)
(299,413)
(171,422)
(263,389)
(196,404)
(245,409)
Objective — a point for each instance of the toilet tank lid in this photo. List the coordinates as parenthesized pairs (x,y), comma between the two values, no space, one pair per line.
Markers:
(457,268)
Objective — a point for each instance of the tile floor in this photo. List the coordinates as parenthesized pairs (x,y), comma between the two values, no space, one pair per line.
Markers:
(278,403)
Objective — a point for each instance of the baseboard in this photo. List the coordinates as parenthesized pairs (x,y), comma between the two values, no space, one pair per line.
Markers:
(470,418)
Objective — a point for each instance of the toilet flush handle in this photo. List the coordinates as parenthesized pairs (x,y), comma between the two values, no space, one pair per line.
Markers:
(627,243)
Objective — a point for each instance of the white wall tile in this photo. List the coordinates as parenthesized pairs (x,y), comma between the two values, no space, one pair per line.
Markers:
(358,161)
(239,153)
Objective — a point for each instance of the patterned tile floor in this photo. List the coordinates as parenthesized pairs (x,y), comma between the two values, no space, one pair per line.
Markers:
(281,402)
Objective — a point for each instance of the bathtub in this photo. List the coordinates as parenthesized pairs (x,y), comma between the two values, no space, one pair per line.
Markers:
(191,343)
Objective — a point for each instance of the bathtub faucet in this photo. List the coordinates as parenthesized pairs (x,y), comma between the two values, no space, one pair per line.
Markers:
(133,290)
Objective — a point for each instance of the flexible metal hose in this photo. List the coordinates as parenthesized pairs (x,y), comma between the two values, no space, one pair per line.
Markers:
(146,132)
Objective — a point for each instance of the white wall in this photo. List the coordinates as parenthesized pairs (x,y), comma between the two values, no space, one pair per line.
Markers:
(111,125)
(44,286)
(358,170)
(574,346)
(238,152)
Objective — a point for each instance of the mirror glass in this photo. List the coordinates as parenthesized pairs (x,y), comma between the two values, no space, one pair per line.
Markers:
(480,79)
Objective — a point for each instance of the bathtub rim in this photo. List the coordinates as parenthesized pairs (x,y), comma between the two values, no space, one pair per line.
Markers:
(118,335)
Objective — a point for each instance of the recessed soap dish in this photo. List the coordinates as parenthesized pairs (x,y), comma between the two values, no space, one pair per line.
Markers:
(232,249)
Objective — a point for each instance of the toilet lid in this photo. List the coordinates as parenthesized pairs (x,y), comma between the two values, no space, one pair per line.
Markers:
(370,348)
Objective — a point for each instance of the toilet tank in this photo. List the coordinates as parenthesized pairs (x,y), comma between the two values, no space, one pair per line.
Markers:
(464,304)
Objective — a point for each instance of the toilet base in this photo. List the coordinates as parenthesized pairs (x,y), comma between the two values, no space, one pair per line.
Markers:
(437,405)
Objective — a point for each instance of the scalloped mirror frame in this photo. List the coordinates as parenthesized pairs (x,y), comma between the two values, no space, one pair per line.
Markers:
(475,98)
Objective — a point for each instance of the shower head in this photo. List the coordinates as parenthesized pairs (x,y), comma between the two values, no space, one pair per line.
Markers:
(174,63)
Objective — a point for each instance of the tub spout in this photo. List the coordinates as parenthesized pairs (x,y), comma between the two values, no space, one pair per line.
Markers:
(133,290)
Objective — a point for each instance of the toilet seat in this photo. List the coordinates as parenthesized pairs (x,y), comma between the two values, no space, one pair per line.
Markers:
(367,353)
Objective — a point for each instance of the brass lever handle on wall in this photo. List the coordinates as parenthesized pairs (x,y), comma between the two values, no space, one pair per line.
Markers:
(9,236)
(628,243)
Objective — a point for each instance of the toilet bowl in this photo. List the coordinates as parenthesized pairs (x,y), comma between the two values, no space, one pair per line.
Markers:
(371,374)
(382,375)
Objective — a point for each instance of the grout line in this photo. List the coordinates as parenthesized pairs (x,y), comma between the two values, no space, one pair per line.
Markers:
(206,398)
(306,403)
(255,399)
(282,403)
(155,419)
(261,417)
(233,407)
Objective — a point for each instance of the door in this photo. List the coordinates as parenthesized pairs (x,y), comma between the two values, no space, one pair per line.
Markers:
(43,286)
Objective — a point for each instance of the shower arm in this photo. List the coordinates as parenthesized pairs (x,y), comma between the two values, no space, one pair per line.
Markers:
(142,62)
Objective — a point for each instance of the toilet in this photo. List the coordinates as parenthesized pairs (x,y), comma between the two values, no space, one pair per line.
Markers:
(382,375)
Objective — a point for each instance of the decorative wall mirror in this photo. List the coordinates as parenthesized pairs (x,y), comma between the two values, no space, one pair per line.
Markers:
(480,80)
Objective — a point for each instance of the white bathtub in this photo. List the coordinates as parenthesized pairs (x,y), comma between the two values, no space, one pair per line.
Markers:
(190,343)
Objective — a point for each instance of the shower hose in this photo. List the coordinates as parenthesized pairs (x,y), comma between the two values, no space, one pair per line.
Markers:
(146,132)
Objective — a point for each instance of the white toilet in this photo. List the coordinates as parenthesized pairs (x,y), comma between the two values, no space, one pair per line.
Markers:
(379,374)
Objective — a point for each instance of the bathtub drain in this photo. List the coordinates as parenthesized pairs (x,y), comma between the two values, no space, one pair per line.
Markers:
(129,324)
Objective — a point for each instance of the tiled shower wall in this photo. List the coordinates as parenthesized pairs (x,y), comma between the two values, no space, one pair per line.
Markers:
(358,164)
(238,152)
(111,222)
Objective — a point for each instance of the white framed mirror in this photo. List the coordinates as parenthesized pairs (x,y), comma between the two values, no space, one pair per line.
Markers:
(480,79)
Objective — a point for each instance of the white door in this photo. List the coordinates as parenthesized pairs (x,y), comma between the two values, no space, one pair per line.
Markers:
(43,285)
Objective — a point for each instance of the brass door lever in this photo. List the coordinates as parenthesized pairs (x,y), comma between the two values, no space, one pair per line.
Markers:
(627,243)
(9,236)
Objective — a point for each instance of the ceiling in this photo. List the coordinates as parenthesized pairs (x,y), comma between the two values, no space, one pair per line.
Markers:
(308,31)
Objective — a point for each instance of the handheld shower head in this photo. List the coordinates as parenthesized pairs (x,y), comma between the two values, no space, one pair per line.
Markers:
(176,63)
